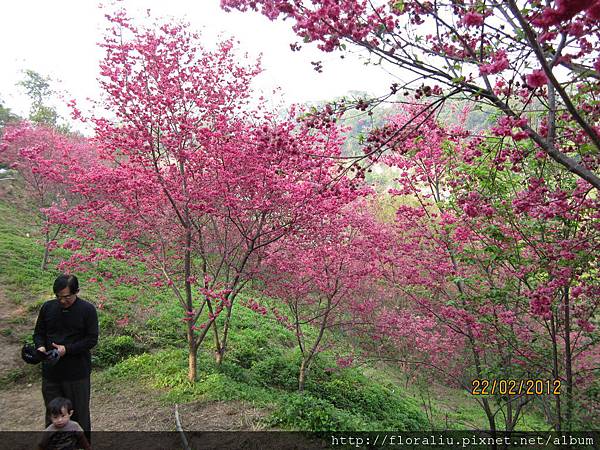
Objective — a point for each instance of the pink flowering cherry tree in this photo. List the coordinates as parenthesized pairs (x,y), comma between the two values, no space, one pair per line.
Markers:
(539,228)
(491,242)
(322,274)
(194,182)
(44,158)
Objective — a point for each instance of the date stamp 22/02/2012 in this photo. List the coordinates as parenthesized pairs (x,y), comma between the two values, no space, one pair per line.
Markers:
(515,387)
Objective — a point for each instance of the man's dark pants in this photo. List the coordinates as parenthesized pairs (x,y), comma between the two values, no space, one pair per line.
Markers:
(78,392)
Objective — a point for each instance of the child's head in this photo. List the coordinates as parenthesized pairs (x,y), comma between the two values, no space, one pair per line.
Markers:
(60,410)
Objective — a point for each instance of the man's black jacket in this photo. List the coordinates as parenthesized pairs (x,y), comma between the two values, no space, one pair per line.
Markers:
(75,327)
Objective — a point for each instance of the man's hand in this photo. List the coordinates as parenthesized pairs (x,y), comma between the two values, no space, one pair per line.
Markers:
(41,349)
(61,349)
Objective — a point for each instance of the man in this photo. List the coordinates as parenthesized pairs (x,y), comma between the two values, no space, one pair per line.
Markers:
(69,325)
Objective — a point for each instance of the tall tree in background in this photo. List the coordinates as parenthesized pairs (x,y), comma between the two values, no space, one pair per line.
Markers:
(38,151)
(515,56)
(6,116)
(38,89)
(538,233)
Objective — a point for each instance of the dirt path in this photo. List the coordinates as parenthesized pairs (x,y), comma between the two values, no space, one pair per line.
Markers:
(123,407)
(129,409)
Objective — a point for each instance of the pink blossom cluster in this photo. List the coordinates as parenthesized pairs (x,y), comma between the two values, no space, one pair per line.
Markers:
(255,306)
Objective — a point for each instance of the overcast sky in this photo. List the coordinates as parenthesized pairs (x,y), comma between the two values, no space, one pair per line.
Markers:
(58,38)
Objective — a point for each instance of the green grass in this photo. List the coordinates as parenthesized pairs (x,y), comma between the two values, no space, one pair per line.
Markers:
(23,374)
(360,405)
(21,258)
(262,367)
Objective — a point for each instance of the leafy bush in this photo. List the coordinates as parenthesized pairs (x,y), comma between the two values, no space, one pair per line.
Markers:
(112,349)
(106,322)
(249,346)
(277,371)
(305,412)
(375,402)
(234,371)
(246,319)
(281,371)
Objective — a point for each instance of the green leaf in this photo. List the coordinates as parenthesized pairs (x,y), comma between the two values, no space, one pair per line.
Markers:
(588,149)
(399,6)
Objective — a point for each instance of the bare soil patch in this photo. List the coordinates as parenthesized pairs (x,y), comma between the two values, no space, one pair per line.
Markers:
(127,408)
(222,416)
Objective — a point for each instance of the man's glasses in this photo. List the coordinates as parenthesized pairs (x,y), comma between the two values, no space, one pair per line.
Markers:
(65,297)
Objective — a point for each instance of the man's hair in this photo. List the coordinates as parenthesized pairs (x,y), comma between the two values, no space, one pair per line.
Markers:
(56,406)
(64,281)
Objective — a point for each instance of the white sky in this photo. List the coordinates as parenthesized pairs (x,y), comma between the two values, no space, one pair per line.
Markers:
(58,39)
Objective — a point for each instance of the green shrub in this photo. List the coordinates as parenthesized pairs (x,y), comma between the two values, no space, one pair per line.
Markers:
(245,319)
(382,406)
(249,346)
(148,366)
(278,371)
(234,371)
(305,412)
(112,349)
(106,322)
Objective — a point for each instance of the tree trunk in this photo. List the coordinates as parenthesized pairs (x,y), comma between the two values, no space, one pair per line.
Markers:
(235,287)
(191,338)
(476,359)
(192,355)
(308,357)
(223,347)
(555,374)
(508,424)
(219,355)
(486,404)
(46,251)
(302,375)
(220,345)
(568,361)
(45,258)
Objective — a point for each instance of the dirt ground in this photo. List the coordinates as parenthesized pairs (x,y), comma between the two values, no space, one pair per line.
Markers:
(129,410)
(124,407)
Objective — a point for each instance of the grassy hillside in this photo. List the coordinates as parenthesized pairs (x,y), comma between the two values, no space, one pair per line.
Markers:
(142,342)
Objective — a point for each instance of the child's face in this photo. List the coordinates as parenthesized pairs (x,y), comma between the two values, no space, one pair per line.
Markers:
(60,420)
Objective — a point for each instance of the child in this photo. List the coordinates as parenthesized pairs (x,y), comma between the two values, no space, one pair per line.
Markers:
(63,433)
